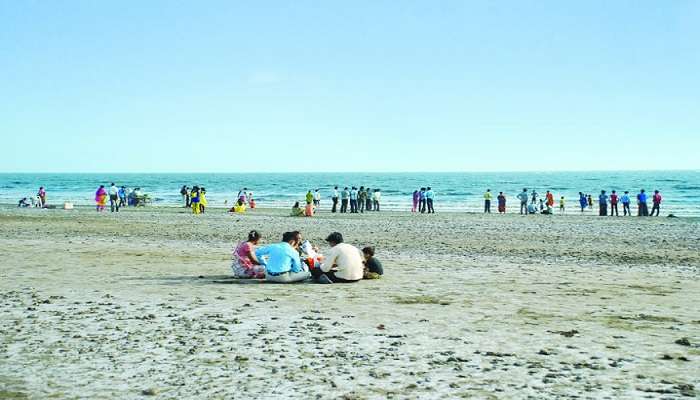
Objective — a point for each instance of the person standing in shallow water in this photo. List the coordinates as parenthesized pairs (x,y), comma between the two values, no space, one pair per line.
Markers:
(114,197)
(430,200)
(656,200)
(523,201)
(101,198)
(487,201)
(583,201)
(643,209)
(501,203)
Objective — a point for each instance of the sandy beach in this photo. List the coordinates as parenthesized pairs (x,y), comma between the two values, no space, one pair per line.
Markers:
(141,303)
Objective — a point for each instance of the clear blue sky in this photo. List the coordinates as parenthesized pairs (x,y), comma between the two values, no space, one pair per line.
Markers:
(227,86)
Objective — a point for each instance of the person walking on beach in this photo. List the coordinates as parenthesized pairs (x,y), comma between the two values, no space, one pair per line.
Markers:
(113,197)
(613,204)
(625,200)
(656,201)
(416,199)
(603,204)
(501,203)
(487,201)
(590,201)
(362,199)
(317,198)
(583,201)
(643,209)
(100,198)
(523,201)
(283,264)
(353,200)
(335,199)
(549,199)
(185,193)
(562,205)
(376,198)
(421,200)
(344,198)
(430,200)
(41,194)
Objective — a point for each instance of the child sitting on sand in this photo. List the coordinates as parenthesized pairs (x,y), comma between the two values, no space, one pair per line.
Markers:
(373,268)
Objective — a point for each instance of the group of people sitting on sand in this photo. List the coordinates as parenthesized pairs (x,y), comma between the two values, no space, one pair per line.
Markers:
(295,260)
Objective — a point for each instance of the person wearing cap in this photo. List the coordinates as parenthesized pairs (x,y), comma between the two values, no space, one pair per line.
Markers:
(343,263)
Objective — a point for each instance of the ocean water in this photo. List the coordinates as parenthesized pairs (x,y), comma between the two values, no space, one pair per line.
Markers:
(454,191)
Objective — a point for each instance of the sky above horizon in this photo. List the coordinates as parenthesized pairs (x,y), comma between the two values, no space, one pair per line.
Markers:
(163,86)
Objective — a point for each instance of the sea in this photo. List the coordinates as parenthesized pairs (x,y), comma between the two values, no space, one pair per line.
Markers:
(454,191)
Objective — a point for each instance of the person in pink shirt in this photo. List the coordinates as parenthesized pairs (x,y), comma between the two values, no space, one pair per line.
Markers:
(416,199)
(245,264)
(614,199)
(656,199)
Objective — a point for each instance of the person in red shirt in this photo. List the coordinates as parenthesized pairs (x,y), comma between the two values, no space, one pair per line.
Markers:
(614,199)
(550,199)
(656,199)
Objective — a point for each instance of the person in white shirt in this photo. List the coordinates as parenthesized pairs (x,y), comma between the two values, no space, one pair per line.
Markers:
(335,199)
(376,198)
(114,197)
(317,198)
(342,263)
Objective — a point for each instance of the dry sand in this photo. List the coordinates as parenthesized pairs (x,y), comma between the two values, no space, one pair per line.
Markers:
(139,304)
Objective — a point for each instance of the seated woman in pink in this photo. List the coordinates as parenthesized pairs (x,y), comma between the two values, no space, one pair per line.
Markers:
(245,264)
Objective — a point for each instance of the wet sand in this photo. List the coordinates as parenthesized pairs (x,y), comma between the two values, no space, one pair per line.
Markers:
(140,304)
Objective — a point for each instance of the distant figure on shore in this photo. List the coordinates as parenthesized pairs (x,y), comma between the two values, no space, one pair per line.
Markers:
(362,199)
(242,195)
(421,200)
(377,197)
(642,208)
(309,197)
(549,199)
(373,268)
(283,264)
(194,199)
(185,193)
(335,199)
(534,196)
(317,198)
(344,200)
(590,201)
(583,201)
(202,200)
(113,198)
(429,199)
(297,211)
(625,200)
(245,264)
(501,203)
(41,194)
(353,200)
(656,203)
(603,204)
(251,200)
(343,262)
(122,196)
(541,205)
(23,203)
(368,206)
(562,205)
(101,198)
(487,201)
(614,199)
(416,200)
(523,201)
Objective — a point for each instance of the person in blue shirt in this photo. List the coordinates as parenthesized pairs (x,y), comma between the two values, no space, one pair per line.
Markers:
(643,210)
(625,200)
(429,198)
(281,260)
(583,201)
(421,200)
(603,204)
(353,200)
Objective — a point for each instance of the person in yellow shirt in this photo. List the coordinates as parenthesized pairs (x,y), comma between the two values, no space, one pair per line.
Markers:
(202,200)
(487,201)
(562,204)
(239,207)
(194,200)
